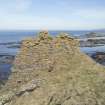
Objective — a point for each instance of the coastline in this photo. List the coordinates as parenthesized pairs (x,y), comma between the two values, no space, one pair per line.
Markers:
(8,51)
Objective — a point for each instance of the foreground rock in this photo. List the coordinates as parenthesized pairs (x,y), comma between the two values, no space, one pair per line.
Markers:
(30,86)
(53,71)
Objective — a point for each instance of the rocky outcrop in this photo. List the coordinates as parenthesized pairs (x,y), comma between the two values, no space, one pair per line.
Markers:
(53,71)
(92,42)
(99,57)
(92,39)
(6,59)
(94,34)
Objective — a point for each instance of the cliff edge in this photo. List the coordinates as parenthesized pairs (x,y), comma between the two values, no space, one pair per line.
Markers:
(53,71)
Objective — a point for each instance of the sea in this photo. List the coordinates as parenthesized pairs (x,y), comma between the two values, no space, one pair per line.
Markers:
(18,35)
(15,36)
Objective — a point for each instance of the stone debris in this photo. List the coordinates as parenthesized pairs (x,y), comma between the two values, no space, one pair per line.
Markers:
(4,99)
(29,87)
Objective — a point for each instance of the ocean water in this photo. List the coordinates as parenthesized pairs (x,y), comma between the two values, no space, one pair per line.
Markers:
(16,36)
(5,70)
(13,36)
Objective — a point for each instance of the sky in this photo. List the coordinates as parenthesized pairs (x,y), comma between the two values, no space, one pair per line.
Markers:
(52,14)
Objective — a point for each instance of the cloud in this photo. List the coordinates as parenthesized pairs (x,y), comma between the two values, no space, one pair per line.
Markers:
(22,5)
(48,23)
(51,14)
(91,13)
(14,6)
